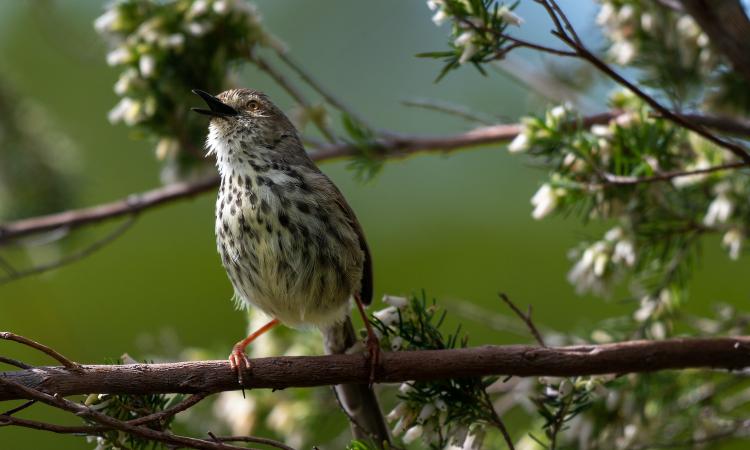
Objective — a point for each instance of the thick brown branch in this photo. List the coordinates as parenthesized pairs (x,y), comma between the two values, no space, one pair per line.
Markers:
(392,146)
(305,371)
(728,27)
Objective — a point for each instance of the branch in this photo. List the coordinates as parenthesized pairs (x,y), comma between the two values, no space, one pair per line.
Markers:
(392,146)
(305,371)
(727,25)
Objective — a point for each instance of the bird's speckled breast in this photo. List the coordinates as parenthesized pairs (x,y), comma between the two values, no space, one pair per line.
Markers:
(287,248)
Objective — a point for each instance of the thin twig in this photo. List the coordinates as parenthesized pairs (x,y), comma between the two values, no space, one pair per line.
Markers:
(54,354)
(526,318)
(449,108)
(169,412)
(19,408)
(59,402)
(15,363)
(253,439)
(572,40)
(497,421)
(318,87)
(295,93)
(72,257)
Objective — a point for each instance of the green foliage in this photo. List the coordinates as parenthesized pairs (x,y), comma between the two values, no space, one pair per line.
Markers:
(370,157)
(167,48)
(478,32)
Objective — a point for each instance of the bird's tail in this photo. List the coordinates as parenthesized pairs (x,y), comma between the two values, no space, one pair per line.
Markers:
(358,400)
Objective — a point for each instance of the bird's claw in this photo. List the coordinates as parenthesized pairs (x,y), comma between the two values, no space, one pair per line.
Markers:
(239,362)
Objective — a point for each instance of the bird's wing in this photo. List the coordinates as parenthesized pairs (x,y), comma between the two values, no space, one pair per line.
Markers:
(366,289)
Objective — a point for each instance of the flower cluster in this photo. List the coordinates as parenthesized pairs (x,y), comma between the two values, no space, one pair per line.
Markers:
(478,30)
(167,48)
(453,413)
(595,172)
(672,52)
(599,263)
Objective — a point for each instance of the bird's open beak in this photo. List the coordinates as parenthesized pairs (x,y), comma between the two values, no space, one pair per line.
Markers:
(217,107)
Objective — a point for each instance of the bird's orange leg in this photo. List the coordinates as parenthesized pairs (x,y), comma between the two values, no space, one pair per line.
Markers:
(238,360)
(373,345)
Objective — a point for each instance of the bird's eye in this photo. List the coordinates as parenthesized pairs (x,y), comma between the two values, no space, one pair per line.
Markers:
(253,105)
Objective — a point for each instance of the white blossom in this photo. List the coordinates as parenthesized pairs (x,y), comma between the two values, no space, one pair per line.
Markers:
(198,8)
(197,28)
(545,200)
(606,14)
(509,16)
(622,52)
(466,40)
(107,21)
(147,65)
(719,210)
(388,315)
(120,55)
(732,240)
(398,412)
(412,434)
(624,252)
(175,41)
(237,412)
(426,412)
(434,4)
(601,131)
(396,343)
(221,7)
(127,81)
(398,302)
(520,143)
(440,17)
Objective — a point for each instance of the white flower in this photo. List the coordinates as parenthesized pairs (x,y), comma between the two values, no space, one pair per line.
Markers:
(732,240)
(120,55)
(388,315)
(606,14)
(545,200)
(440,17)
(647,22)
(236,411)
(520,143)
(106,22)
(719,210)
(509,16)
(147,65)
(176,41)
(221,7)
(474,440)
(126,81)
(412,434)
(622,52)
(198,7)
(126,106)
(398,412)
(625,13)
(624,252)
(426,412)
(648,306)
(434,4)
(466,40)
(398,302)
(396,343)
(167,147)
(601,131)
(197,29)
(558,112)
(587,273)
(687,26)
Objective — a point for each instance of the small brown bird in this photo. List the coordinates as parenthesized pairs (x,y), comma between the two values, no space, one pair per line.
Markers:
(289,241)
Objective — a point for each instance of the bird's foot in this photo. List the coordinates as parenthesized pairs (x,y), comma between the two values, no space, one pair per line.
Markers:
(373,351)
(239,362)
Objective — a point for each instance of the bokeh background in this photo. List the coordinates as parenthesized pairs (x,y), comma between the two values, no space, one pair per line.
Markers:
(458,226)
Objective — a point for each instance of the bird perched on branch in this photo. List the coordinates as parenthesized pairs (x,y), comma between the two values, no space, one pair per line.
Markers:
(289,241)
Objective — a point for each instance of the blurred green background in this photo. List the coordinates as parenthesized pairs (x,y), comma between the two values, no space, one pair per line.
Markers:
(458,226)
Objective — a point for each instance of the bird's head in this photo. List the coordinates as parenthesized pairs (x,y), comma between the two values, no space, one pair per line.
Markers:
(242,115)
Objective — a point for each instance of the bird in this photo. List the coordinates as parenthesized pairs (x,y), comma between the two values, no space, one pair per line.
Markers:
(289,241)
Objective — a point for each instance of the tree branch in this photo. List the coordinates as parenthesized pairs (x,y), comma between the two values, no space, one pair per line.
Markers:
(391,146)
(305,371)
(728,27)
